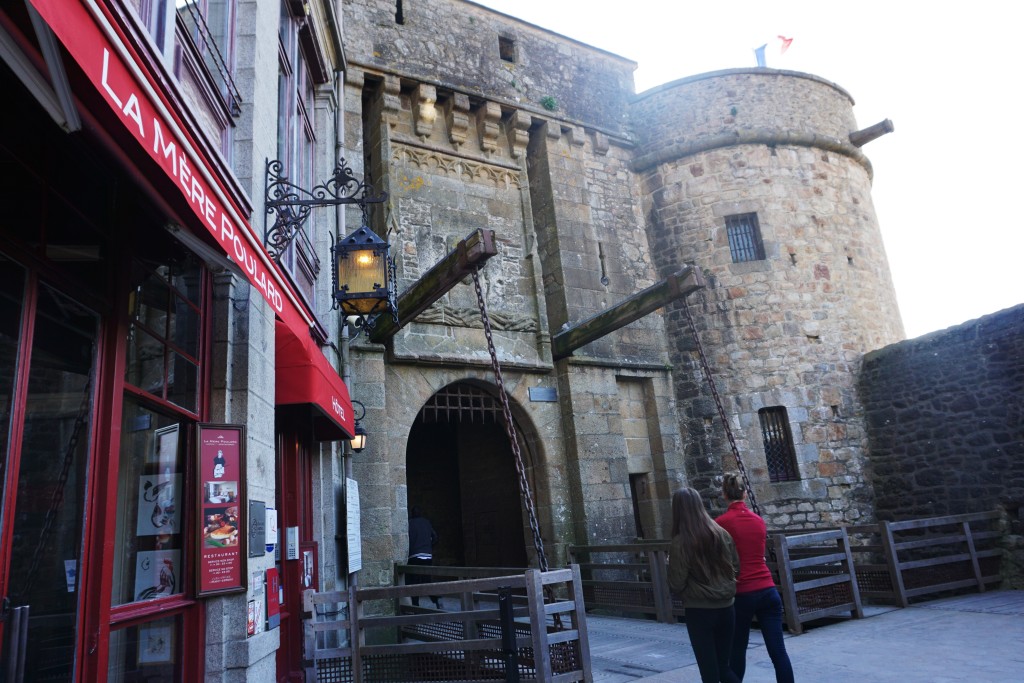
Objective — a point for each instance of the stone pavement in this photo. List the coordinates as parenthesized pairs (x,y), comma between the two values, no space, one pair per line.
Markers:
(977,638)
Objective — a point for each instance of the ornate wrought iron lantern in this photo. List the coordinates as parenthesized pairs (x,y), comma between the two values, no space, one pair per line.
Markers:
(364,275)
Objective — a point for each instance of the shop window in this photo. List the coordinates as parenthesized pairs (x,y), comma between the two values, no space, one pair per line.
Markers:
(744,237)
(296,140)
(164,332)
(778,444)
(150,551)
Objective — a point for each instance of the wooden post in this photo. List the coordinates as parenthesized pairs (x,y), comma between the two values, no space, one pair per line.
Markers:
(786,583)
(468,254)
(974,556)
(687,280)
(538,625)
(659,586)
(844,542)
(893,561)
(356,637)
(579,621)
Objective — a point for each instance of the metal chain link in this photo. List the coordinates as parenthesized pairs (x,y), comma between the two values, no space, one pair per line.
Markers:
(57,498)
(524,486)
(721,411)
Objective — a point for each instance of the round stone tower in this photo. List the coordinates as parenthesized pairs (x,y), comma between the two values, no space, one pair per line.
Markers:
(751,174)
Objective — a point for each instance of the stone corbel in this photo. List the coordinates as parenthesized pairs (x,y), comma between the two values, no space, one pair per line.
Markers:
(392,100)
(552,129)
(426,109)
(457,114)
(355,77)
(576,135)
(600,143)
(488,122)
(518,133)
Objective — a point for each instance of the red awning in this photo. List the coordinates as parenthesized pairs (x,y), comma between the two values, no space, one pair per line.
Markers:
(109,58)
(305,377)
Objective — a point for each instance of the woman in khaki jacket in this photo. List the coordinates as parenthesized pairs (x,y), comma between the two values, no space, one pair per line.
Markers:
(702,570)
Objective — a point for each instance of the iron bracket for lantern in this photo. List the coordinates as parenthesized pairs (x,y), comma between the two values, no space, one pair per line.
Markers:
(291,204)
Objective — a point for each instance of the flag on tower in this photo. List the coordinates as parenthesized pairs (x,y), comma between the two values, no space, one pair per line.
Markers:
(785,44)
(759,53)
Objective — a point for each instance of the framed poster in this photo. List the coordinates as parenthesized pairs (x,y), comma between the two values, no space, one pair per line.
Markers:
(220,492)
(156,644)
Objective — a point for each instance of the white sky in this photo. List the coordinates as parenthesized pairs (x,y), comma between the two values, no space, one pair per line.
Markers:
(949,179)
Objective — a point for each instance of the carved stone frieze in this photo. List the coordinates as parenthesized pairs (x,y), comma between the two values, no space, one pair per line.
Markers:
(438,162)
(439,314)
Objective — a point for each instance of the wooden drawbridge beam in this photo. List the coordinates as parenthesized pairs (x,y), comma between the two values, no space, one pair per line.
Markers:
(468,254)
(680,284)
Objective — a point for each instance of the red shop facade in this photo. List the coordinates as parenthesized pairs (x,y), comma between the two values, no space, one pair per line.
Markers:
(133,492)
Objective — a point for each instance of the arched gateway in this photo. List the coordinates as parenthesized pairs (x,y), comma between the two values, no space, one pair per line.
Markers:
(461,472)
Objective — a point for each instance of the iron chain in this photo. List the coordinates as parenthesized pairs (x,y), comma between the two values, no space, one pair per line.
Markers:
(721,410)
(524,486)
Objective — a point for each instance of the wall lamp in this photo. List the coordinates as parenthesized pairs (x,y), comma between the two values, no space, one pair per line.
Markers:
(358,442)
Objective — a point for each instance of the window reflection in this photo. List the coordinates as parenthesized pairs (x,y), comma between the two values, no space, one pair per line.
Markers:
(166,330)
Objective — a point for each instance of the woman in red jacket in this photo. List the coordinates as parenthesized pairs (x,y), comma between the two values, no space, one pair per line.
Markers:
(755,588)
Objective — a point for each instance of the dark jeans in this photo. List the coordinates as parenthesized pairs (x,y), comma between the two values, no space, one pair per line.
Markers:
(767,606)
(710,632)
(413,579)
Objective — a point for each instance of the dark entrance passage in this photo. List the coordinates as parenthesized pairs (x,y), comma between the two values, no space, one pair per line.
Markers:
(460,471)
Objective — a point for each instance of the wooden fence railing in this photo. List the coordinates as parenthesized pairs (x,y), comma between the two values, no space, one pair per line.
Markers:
(629,577)
(533,621)
(818,573)
(816,577)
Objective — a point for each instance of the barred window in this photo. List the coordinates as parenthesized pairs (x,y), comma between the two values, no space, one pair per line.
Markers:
(778,444)
(744,237)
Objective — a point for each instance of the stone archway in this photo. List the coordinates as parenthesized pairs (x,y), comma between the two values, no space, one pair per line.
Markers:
(460,472)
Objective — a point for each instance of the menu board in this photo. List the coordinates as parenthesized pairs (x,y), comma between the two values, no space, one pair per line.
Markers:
(221,493)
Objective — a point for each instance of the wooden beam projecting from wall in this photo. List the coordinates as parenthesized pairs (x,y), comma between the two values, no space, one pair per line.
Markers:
(680,284)
(468,254)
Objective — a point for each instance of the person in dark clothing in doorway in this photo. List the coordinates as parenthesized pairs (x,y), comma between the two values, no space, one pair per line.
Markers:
(422,539)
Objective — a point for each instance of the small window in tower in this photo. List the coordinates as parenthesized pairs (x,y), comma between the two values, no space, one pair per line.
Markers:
(778,444)
(507,49)
(744,237)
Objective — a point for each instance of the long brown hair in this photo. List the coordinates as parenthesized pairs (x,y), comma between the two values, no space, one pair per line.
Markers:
(696,529)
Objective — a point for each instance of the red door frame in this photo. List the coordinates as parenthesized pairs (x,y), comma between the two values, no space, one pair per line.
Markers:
(294,500)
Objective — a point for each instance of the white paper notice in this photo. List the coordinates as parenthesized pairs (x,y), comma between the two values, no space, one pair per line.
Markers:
(355,536)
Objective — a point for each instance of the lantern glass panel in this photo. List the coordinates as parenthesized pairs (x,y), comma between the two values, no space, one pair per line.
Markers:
(364,271)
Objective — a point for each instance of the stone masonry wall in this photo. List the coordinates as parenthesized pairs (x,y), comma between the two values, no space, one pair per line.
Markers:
(582,82)
(944,417)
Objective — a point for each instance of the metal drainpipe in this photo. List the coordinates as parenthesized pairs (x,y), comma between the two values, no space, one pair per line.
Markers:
(351,579)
